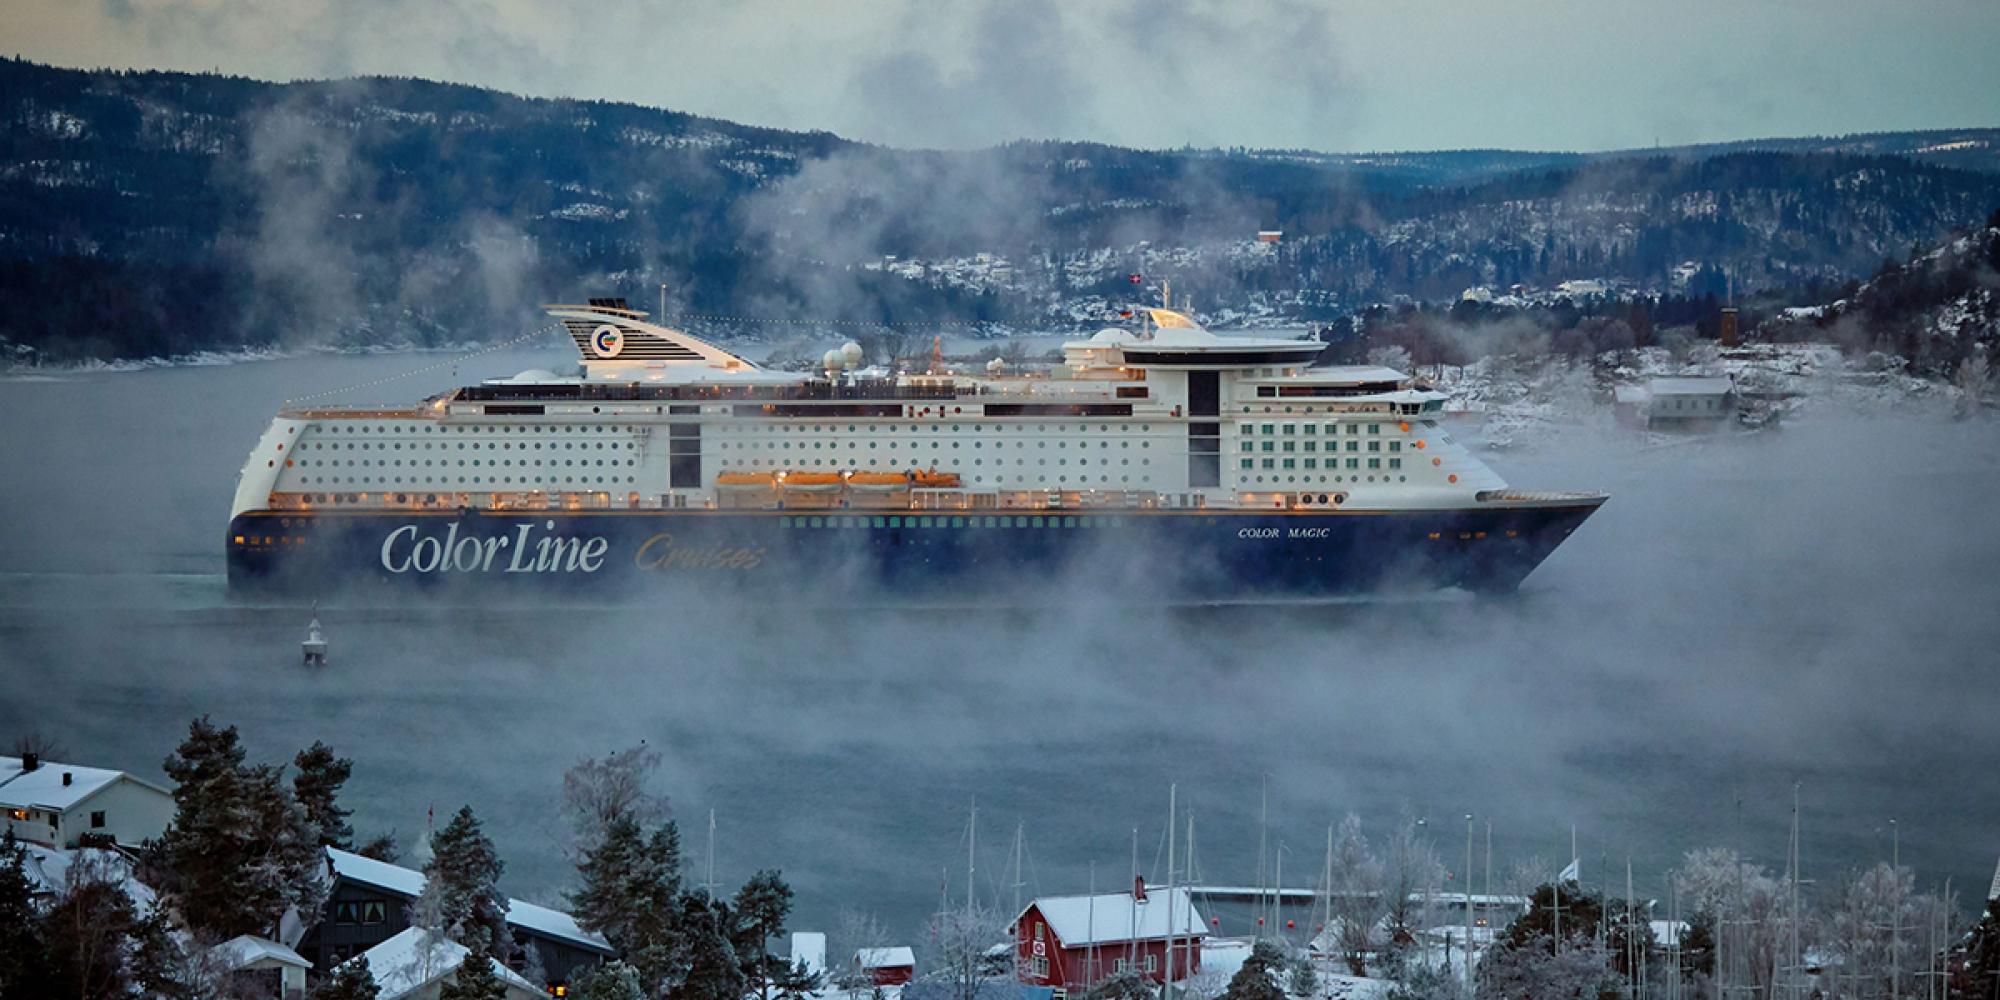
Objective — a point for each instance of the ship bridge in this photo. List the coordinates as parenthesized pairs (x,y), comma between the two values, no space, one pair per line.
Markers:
(1173,340)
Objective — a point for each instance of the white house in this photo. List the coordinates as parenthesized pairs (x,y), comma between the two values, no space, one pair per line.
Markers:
(1690,403)
(59,804)
(415,965)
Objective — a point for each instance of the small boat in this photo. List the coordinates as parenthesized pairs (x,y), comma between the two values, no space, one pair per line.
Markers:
(934,480)
(746,480)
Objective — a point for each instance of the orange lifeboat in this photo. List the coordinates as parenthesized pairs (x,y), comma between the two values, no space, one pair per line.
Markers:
(814,481)
(935,480)
(879,481)
(745,480)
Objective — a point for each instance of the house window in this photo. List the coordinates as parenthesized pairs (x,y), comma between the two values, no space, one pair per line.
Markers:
(1039,967)
(1120,967)
(1038,932)
(374,912)
(97,820)
(346,913)
(1152,963)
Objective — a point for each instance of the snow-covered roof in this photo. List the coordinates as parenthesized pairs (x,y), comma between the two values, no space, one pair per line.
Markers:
(899,957)
(245,950)
(406,882)
(1683,386)
(48,868)
(1115,916)
(418,957)
(43,788)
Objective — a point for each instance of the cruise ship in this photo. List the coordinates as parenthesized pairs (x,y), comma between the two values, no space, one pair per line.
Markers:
(1161,459)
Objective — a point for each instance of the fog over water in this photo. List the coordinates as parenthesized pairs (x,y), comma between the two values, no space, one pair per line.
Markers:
(1814,606)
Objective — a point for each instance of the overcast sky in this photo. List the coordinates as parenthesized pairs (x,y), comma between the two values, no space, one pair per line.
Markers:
(1337,75)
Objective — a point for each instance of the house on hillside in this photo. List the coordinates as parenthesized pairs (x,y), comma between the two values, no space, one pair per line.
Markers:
(67,806)
(257,966)
(369,904)
(1689,404)
(1074,942)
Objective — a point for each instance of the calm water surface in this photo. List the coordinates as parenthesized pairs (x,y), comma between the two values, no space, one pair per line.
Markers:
(1814,606)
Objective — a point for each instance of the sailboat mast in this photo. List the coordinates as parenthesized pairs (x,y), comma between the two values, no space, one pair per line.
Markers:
(971,860)
(1167,975)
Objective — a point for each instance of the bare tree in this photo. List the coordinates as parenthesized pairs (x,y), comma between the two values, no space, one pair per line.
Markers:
(1414,875)
(599,790)
(964,941)
(1355,895)
(853,932)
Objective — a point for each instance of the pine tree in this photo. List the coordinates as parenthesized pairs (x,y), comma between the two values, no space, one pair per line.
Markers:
(351,980)
(316,785)
(474,980)
(240,849)
(21,946)
(632,894)
(463,875)
(1981,974)
(761,908)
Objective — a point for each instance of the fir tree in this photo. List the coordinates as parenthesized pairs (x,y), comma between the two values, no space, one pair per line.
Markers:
(610,981)
(1258,978)
(351,980)
(761,908)
(474,980)
(316,785)
(21,946)
(1981,975)
(704,965)
(462,876)
(630,884)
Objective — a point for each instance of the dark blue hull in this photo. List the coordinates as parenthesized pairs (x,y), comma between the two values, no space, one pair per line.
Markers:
(1202,555)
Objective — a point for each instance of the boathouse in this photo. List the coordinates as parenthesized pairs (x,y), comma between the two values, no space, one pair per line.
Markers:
(1074,942)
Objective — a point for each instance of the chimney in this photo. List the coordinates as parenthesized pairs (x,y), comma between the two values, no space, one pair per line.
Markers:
(1729,327)
(1139,888)
(30,761)
(68,778)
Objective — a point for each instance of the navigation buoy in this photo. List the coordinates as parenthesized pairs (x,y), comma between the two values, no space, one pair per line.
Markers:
(315,644)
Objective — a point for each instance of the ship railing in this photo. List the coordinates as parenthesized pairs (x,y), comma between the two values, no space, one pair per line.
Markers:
(1538,496)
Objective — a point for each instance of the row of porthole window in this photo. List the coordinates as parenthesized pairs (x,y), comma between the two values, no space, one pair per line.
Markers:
(953,521)
(933,428)
(1331,429)
(1310,446)
(1331,463)
(1327,479)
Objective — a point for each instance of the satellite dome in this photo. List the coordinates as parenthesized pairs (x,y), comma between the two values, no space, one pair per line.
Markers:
(851,351)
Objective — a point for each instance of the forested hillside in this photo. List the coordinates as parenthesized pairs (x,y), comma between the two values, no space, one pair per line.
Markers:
(160,213)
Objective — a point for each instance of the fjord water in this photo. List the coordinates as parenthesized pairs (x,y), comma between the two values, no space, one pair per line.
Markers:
(1812,606)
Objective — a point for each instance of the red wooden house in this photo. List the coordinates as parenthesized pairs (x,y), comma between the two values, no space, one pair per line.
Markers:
(1074,942)
(887,966)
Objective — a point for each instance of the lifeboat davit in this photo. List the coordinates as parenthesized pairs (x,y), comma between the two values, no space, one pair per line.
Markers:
(745,480)
(812,481)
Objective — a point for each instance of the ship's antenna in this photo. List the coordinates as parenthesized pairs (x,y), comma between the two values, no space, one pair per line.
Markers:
(663,304)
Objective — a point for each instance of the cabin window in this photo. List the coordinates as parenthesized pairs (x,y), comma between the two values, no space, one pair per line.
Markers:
(1374,463)
(1312,463)
(1120,966)
(1290,446)
(1152,963)
(1374,446)
(1395,446)
(374,912)
(1269,446)
(1245,428)
(1291,428)
(1267,463)
(1269,428)
(1311,445)
(1354,463)
(1249,463)
(1038,932)
(1374,428)
(345,913)
(1290,463)
(1395,463)
(97,820)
